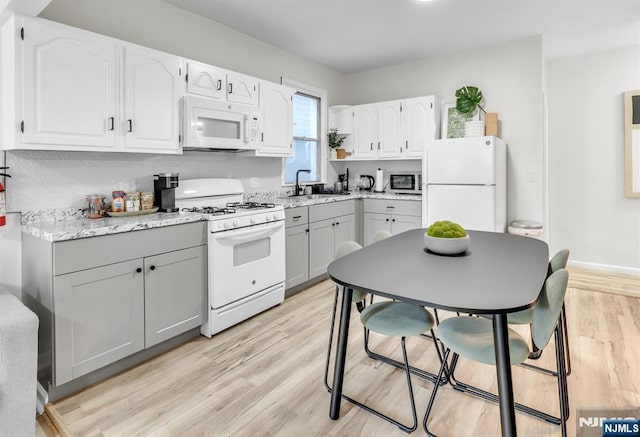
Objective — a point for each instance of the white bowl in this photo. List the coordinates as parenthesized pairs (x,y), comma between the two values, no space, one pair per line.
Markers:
(446,246)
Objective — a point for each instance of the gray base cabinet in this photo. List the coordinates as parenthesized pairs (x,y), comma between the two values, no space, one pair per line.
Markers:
(104,298)
(394,216)
(297,253)
(330,224)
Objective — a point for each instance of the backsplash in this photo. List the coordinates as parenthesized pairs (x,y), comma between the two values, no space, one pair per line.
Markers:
(43,180)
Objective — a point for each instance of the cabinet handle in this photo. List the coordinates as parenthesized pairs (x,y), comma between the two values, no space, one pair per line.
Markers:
(139,270)
(333,224)
(393,220)
(296,217)
(219,84)
(111,123)
(378,145)
(337,223)
(152,268)
(371,146)
(387,219)
(391,207)
(307,231)
(230,88)
(130,125)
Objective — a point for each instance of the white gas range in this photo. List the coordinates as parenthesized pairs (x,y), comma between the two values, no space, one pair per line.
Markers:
(246,249)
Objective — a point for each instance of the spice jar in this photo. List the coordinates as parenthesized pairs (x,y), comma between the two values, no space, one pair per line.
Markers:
(146,200)
(117,204)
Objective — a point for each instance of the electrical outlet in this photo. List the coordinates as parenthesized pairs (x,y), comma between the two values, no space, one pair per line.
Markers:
(531,175)
(254,182)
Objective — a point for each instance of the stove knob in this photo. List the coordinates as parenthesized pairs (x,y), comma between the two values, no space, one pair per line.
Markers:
(268,217)
(226,225)
(235,223)
(253,220)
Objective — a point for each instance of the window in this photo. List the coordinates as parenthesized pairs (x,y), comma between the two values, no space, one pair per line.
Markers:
(308,126)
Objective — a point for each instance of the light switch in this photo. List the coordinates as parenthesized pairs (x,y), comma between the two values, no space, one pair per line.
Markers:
(254,182)
(531,175)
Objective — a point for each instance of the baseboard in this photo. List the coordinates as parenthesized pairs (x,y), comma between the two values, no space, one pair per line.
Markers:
(605,267)
(42,398)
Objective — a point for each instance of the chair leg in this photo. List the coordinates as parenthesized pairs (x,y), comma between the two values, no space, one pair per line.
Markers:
(432,399)
(563,395)
(566,338)
(333,322)
(403,427)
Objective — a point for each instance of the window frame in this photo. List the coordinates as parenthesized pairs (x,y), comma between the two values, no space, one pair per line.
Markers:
(321,94)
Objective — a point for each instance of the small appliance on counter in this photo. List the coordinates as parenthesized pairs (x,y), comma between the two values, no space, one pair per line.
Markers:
(367,182)
(164,187)
(405,182)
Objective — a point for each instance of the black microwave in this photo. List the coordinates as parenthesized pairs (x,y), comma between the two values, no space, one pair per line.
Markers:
(405,182)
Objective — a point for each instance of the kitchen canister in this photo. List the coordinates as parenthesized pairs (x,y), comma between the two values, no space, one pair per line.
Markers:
(117,204)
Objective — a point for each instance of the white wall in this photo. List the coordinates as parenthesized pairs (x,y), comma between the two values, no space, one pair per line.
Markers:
(588,212)
(510,77)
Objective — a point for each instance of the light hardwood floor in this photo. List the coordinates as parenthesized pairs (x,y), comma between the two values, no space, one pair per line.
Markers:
(264,377)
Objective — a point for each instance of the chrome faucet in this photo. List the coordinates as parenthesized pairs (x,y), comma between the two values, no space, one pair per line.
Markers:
(297,189)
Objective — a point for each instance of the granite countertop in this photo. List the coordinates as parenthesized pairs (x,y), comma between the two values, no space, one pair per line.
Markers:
(62,225)
(79,227)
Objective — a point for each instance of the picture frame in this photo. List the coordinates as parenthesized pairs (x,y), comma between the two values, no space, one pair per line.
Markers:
(632,144)
(453,121)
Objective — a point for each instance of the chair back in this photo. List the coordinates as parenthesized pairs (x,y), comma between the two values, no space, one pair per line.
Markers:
(346,248)
(559,261)
(381,235)
(547,310)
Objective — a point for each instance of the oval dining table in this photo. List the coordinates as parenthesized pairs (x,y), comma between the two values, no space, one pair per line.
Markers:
(498,274)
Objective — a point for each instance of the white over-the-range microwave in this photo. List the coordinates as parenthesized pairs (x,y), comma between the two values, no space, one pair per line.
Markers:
(213,124)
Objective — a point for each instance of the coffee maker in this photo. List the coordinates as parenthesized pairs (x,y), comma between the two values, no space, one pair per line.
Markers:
(164,190)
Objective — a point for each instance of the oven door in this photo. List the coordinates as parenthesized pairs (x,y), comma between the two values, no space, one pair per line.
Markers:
(245,261)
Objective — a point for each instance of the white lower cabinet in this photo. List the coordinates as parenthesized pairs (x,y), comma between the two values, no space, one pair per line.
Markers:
(330,224)
(102,299)
(394,216)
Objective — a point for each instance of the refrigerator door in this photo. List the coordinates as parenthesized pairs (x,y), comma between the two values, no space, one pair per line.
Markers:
(461,161)
(471,206)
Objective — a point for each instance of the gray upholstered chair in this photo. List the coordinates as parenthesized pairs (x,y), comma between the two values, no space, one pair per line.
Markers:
(472,338)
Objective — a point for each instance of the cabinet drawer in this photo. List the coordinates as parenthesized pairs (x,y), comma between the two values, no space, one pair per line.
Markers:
(330,210)
(84,253)
(383,206)
(296,216)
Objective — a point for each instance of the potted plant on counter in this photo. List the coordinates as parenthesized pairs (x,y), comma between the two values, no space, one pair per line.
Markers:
(335,143)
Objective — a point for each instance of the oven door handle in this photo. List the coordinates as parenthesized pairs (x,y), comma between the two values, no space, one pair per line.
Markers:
(252,233)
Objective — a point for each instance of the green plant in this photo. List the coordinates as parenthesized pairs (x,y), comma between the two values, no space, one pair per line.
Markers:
(335,140)
(446,229)
(468,99)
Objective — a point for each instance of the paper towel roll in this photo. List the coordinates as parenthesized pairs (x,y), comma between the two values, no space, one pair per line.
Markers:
(379,181)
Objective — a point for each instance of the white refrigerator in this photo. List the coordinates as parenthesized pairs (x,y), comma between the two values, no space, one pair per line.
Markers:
(464,180)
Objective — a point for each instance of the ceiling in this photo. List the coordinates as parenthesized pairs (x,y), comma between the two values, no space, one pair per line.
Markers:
(357,35)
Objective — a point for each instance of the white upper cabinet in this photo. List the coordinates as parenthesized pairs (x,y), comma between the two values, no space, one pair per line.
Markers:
(83,91)
(69,88)
(206,80)
(396,129)
(242,88)
(418,125)
(276,107)
(365,131)
(389,129)
(151,100)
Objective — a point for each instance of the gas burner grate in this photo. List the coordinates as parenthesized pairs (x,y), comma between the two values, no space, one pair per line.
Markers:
(250,205)
(211,210)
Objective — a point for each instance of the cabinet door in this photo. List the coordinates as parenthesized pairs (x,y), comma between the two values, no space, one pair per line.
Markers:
(344,230)
(401,223)
(297,255)
(374,223)
(69,88)
(417,126)
(276,106)
(321,250)
(99,318)
(206,80)
(365,136)
(151,100)
(242,88)
(389,129)
(175,293)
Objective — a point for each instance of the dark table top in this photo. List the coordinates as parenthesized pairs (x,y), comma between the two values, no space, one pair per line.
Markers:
(500,273)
